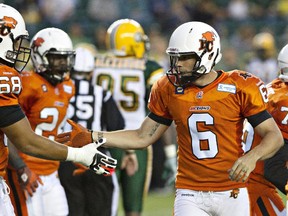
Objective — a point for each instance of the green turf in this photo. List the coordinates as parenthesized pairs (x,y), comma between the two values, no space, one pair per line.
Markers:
(156,203)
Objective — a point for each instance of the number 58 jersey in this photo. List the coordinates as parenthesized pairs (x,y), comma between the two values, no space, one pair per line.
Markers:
(209,124)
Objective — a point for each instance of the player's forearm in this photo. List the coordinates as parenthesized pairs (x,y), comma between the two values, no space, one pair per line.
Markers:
(124,139)
(269,145)
(45,148)
(148,133)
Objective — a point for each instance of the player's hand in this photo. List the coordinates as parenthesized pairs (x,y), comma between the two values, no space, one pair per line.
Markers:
(102,164)
(242,168)
(130,163)
(91,157)
(29,181)
(77,137)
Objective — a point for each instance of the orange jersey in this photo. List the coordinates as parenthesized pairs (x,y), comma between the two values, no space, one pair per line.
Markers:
(278,104)
(209,124)
(260,189)
(10,88)
(45,106)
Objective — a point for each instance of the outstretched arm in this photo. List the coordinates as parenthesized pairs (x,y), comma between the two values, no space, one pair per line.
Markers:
(148,133)
(24,138)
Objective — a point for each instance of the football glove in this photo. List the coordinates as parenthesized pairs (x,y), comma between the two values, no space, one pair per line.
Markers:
(77,137)
(91,157)
(28,180)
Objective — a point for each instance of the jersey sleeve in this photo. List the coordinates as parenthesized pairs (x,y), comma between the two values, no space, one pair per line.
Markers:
(11,87)
(253,95)
(159,98)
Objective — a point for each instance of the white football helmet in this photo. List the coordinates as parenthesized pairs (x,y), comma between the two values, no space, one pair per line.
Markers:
(283,63)
(14,38)
(199,40)
(48,46)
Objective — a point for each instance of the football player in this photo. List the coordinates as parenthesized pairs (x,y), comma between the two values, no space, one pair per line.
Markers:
(14,55)
(276,169)
(208,108)
(46,93)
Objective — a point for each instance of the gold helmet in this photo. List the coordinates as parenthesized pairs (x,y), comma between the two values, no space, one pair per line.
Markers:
(264,43)
(126,37)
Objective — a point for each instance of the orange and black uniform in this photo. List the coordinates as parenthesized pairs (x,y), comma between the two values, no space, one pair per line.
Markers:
(45,106)
(10,111)
(209,142)
(261,191)
(275,167)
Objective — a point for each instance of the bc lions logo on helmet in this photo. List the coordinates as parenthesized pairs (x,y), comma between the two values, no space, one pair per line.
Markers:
(37,43)
(6,24)
(207,41)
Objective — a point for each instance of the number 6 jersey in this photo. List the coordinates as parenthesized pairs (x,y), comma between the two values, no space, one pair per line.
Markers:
(209,123)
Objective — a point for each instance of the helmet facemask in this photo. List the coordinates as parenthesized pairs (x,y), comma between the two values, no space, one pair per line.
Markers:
(180,79)
(21,52)
(59,66)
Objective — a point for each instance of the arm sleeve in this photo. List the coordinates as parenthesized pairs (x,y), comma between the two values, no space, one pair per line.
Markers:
(10,114)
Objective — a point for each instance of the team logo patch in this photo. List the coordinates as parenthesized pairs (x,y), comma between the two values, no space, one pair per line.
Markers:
(234,193)
(199,95)
(179,90)
(67,89)
(44,88)
(226,88)
(245,75)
